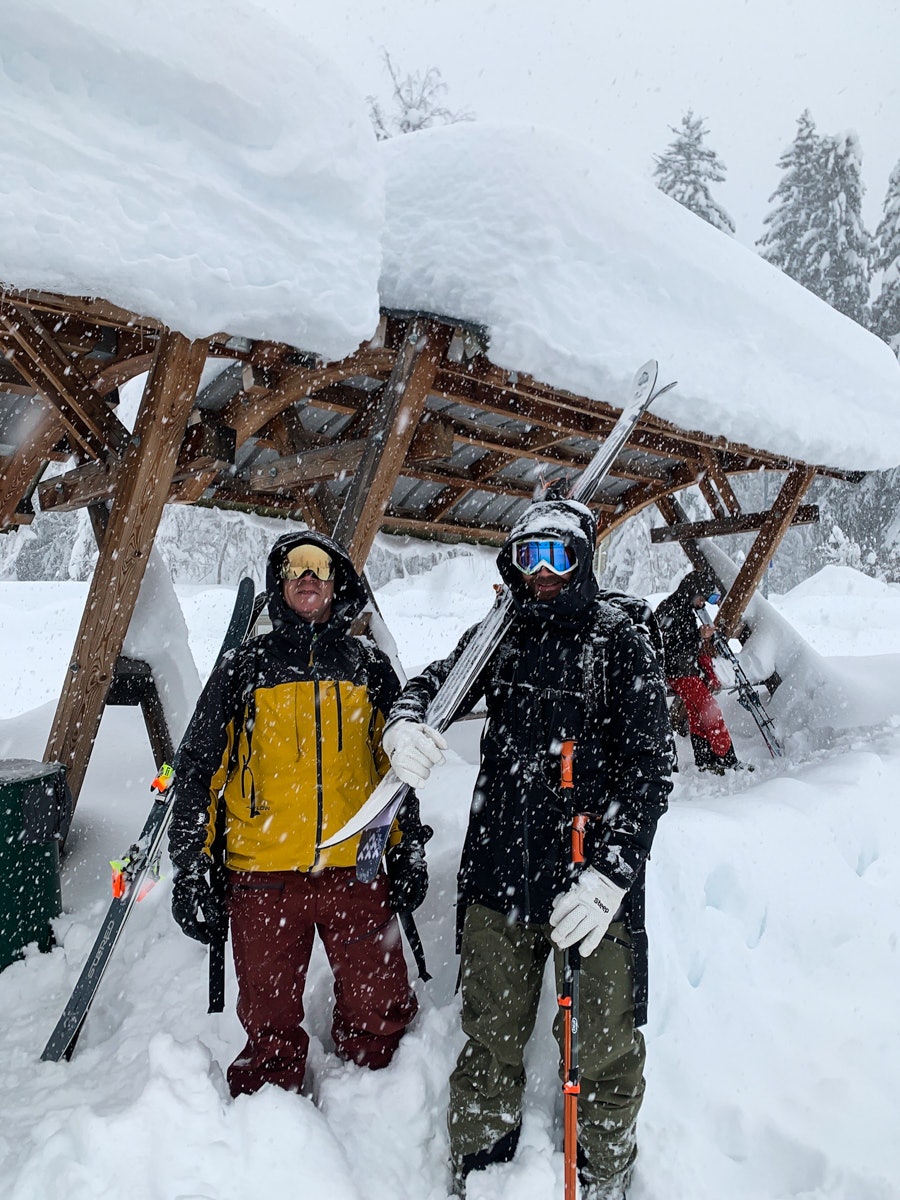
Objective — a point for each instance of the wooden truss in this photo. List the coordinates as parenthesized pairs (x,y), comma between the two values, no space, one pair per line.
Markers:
(416,432)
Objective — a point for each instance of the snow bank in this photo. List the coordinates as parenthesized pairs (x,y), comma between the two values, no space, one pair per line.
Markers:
(772,1048)
(581,271)
(211,170)
(158,634)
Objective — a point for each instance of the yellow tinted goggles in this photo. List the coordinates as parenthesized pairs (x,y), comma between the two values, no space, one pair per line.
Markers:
(308,558)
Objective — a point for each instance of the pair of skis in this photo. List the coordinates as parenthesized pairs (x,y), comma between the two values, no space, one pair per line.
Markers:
(749,699)
(747,695)
(137,871)
(376,816)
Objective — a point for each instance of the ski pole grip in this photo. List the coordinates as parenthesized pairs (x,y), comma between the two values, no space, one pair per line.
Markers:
(579,824)
(567,765)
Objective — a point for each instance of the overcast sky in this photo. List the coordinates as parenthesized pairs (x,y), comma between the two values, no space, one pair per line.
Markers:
(617,75)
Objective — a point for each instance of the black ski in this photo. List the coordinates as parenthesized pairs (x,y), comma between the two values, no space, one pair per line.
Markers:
(375,817)
(133,870)
(747,695)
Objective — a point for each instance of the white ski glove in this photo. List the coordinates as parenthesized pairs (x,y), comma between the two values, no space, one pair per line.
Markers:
(583,913)
(413,749)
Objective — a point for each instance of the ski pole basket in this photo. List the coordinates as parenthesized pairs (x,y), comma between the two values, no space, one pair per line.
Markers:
(35,807)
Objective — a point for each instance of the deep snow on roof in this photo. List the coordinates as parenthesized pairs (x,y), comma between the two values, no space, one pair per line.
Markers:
(209,170)
(215,173)
(581,271)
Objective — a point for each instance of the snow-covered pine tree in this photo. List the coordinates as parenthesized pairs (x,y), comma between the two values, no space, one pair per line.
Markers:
(837,248)
(688,167)
(417,102)
(795,200)
(886,309)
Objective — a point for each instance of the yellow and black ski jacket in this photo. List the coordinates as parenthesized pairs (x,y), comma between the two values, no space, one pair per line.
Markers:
(287,735)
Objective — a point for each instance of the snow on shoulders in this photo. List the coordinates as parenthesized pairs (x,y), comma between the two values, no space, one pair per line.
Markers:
(211,171)
(579,270)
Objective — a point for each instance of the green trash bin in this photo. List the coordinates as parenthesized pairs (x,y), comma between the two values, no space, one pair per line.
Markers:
(35,808)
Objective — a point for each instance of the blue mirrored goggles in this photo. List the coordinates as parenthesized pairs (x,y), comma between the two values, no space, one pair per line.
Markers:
(714,598)
(529,556)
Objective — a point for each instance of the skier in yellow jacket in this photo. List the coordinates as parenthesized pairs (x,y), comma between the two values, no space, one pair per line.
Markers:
(287,735)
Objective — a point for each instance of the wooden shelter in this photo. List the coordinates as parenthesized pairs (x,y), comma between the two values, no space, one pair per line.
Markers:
(417,432)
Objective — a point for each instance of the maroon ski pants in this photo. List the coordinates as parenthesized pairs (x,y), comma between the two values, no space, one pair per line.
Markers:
(274,918)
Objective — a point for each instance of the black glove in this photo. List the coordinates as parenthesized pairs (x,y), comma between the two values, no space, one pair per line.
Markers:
(407,871)
(193,899)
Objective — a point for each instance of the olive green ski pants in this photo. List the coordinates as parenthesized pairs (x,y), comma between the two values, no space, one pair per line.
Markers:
(502,968)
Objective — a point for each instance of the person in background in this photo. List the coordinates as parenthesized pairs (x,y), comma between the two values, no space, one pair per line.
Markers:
(690,672)
(572,667)
(287,736)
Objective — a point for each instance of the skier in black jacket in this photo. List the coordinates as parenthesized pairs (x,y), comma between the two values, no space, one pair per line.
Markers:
(573,666)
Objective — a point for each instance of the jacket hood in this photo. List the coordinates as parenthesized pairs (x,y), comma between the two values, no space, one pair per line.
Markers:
(575,525)
(696,583)
(350,596)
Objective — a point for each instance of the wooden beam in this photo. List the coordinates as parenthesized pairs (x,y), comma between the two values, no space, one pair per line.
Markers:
(88,484)
(28,461)
(399,409)
(806,514)
(247,414)
(491,535)
(778,521)
(538,446)
(82,307)
(716,474)
(641,495)
(310,466)
(141,491)
(432,439)
(672,512)
(712,498)
(58,378)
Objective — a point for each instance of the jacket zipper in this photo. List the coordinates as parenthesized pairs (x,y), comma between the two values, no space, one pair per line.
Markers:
(319,798)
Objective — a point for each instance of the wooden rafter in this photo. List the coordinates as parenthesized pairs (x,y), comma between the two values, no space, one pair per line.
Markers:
(41,360)
(806,514)
(399,409)
(22,468)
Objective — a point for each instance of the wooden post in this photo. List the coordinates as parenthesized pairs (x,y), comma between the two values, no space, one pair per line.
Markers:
(141,490)
(397,415)
(764,546)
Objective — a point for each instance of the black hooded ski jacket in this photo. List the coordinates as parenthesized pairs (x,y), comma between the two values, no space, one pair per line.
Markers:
(287,734)
(575,668)
(677,619)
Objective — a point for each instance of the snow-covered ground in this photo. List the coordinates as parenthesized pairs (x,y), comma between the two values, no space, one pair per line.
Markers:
(773,1057)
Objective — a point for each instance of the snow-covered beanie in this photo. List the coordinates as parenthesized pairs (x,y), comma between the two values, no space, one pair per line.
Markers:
(574,524)
(350,595)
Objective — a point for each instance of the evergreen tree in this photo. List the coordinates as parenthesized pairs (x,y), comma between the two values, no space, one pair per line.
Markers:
(796,198)
(417,102)
(886,309)
(686,170)
(837,247)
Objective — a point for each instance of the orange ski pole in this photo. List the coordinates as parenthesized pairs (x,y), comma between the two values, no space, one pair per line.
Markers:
(568,1003)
